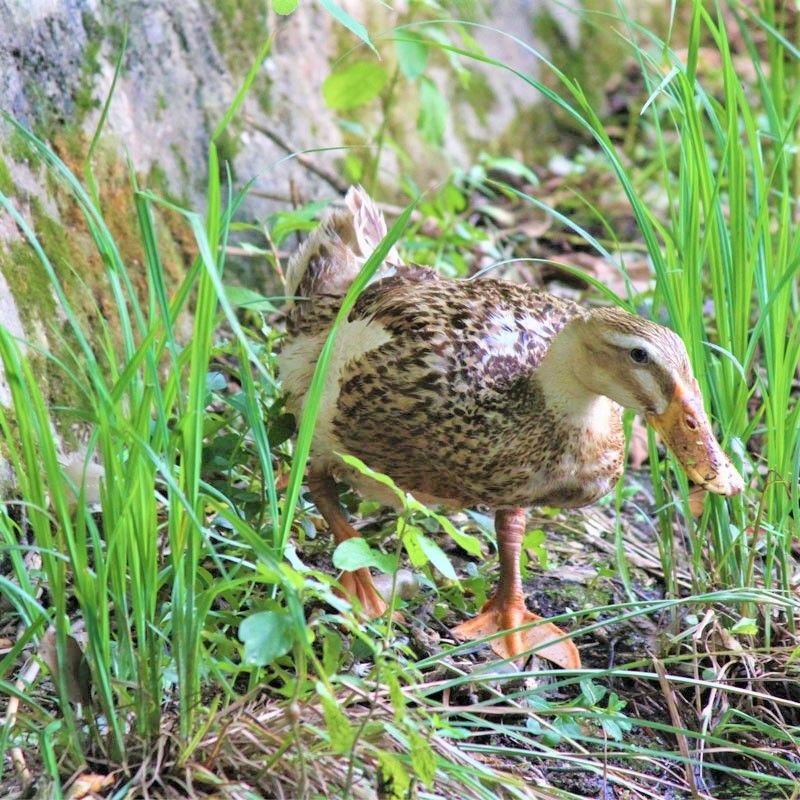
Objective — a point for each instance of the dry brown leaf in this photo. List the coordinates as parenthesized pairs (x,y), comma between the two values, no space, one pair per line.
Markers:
(533,228)
(697,500)
(88,784)
(531,222)
(609,274)
(80,474)
(78,676)
(500,216)
(21,769)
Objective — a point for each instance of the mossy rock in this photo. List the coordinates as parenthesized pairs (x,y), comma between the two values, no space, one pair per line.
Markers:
(78,269)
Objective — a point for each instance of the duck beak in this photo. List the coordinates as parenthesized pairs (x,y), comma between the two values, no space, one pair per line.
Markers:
(685,428)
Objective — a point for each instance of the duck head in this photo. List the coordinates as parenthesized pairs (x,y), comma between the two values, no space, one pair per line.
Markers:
(644,366)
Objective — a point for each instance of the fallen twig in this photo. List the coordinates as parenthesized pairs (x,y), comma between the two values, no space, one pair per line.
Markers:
(26,678)
(326,175)
(675,716)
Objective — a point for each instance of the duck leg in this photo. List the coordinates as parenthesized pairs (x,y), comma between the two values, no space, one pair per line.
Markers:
(357,584)
(506,609)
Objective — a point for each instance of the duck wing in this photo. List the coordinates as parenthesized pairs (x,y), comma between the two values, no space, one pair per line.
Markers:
(439,392)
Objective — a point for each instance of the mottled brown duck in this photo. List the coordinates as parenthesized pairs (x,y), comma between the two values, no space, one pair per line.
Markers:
(478,393)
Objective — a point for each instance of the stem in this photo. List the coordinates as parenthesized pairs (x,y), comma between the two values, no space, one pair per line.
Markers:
(381,136)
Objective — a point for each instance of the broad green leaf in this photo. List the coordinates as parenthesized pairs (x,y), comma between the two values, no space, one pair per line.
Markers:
(368,507)
(291,556)
(612,728)
(454,199)
(534,540)
(396,696)
(280,429)
(412,55)
(437,557)
(432,112)
(615,704)
(284,6)
(466,541)
(357,463)
(411,537)
(746,626)
(331,650)
(592,692)
(351,24)
(267,635)
(301,219)
(355,553)
(562,726)
(534,726)
(538,703)
(353,167)
(512,167)
(216,381)
(242,297)
(354,86)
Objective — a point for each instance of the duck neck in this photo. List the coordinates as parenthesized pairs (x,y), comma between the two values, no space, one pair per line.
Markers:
(560,380)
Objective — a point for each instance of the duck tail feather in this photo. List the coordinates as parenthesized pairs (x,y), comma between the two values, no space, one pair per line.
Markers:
(332,256)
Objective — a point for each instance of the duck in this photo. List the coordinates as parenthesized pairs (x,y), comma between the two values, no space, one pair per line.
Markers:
(477,394)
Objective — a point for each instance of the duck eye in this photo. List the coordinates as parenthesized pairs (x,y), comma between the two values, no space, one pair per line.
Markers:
(639,356)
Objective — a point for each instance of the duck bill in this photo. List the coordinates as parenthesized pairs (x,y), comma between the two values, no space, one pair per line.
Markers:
(687,432)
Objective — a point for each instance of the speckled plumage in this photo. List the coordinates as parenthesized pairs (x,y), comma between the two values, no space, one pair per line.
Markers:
(451,407)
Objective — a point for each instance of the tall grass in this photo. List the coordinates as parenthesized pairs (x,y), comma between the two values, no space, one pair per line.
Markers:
(726,255)
(134,570)
(731,239)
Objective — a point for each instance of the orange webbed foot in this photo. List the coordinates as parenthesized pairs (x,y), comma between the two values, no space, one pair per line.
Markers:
(496,616)
(358,585)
